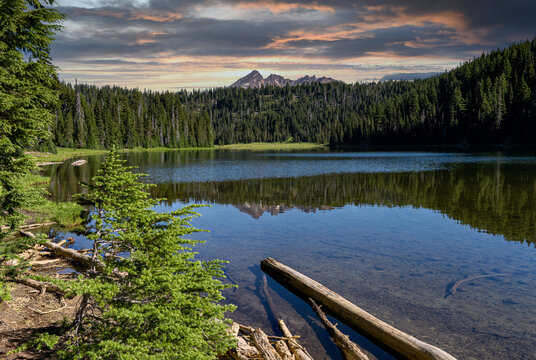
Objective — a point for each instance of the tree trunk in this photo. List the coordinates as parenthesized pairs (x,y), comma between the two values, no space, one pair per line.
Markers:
(349,349)
(382,333)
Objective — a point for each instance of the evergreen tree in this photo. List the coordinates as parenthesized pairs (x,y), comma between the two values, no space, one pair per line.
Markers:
(27,92)
(153,299)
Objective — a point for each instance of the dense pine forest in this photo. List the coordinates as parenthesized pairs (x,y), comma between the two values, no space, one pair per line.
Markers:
(490,100)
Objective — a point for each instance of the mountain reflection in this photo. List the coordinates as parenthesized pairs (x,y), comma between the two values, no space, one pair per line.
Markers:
(498,199)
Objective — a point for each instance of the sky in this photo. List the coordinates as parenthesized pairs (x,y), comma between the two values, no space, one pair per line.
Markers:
(172,45)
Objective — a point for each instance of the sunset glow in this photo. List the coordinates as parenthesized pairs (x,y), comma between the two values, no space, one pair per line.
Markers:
(164,44)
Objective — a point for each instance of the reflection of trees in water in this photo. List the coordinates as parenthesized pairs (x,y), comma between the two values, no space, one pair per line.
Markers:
(498,199)
(65,178)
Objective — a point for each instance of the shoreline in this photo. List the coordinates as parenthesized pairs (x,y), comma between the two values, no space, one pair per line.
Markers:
(64,154)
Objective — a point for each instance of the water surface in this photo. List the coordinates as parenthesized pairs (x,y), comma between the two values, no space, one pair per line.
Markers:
(392,232)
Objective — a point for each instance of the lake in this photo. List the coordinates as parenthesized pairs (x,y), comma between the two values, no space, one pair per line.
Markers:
(391,231)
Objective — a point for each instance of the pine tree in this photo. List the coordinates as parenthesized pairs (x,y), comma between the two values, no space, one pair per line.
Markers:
(27,96)
(153,299)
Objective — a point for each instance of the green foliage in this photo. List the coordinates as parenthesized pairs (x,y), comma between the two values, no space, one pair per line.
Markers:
(44,340)
(489,100)
(11,265)
(64,213)
(145,296)
(101,118)
(27,82)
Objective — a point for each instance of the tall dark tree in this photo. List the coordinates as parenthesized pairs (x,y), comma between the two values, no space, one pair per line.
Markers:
(27,99)
(28,95)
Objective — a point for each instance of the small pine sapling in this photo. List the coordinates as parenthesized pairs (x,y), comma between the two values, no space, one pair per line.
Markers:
(144,296)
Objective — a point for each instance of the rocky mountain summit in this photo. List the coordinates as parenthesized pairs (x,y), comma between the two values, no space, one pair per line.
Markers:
(255,80)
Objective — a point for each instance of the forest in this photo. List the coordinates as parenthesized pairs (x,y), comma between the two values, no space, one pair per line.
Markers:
(489,100)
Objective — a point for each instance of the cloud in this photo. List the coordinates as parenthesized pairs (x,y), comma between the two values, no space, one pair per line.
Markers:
(168,40)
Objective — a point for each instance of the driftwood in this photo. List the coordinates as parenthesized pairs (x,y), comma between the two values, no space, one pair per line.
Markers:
(452,289)
(244,350)
(299,351)
(72,254)
(263,344)
(59,250)
(349,349)
(382,333)
(42,286)
(30,226)
(255,344)
(44,262)
(283,350)
(49,163)
(78,162)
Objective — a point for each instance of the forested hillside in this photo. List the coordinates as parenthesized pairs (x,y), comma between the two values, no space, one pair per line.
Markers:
(91,117)
(490,100)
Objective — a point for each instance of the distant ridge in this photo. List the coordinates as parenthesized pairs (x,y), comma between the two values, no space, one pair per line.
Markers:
(255,80)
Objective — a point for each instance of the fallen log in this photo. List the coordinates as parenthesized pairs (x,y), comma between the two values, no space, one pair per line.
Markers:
(49,163)
(78,162)
(72,254)
(263,344)
(30,226)
(45,262)
(299,351)
(380,332)
(27,234)
(283,350)
(41,286)
(349,349)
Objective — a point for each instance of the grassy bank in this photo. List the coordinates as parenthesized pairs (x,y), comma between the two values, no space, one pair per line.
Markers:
(69,153)
(64,154)
(66,214)
(262,146)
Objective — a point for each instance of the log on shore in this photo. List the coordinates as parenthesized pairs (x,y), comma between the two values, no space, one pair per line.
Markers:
(59,250)
(42,286)
(383,334)
(300,353)
(349,349)
(30,226)
(262,343)
(71,254)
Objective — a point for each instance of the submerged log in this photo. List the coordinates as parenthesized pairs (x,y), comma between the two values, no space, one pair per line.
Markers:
(455,285)
(299,351)
(380,332)
(349,349)
(268,296)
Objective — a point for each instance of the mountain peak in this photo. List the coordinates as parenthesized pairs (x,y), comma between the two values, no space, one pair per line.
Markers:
(254,79)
